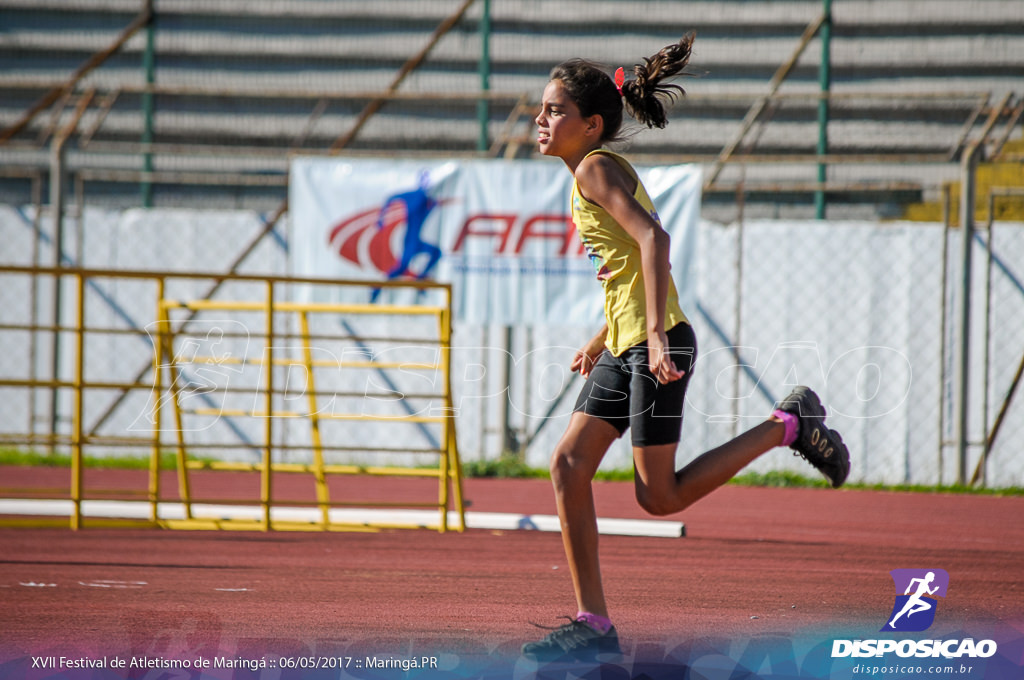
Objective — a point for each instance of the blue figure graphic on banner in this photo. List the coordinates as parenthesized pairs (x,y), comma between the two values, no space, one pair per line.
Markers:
(418,204)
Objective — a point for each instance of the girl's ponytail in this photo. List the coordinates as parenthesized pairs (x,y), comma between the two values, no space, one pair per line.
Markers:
(645,96)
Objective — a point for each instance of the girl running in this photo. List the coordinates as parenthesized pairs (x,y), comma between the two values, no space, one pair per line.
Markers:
(638,366)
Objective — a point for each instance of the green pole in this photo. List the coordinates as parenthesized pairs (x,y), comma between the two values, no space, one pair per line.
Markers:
(483,109)
(825,81)
(149,66)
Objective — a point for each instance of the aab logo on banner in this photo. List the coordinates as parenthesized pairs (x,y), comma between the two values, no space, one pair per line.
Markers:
(916,604)
(368,238)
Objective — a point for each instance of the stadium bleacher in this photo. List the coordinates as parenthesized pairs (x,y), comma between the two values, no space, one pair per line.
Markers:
(240,86)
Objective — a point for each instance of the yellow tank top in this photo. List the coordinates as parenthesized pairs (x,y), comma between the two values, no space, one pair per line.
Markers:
(616,259)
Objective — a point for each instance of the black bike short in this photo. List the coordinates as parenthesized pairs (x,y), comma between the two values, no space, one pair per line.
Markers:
(622,391)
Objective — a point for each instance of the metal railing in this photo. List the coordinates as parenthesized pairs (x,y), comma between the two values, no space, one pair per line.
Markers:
(200,385)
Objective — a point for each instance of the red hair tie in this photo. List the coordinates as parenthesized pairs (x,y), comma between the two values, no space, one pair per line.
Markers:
(620,79)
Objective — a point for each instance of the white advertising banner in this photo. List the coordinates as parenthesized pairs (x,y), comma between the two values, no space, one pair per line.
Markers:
(498,231)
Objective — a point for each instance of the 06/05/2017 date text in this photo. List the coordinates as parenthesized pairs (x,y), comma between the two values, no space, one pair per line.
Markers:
(358,662)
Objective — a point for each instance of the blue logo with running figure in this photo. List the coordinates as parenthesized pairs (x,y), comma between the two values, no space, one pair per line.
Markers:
(914,609)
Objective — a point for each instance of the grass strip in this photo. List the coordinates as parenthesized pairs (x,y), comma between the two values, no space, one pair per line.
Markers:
(510,467)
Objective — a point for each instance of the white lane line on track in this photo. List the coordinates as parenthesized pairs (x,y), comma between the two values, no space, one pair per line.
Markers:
(101,583)
(501,521)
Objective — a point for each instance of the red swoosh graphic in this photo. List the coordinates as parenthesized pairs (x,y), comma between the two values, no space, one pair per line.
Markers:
(358,238)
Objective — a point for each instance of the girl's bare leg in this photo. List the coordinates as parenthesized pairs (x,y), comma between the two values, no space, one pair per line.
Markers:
(573,465)
(661,490)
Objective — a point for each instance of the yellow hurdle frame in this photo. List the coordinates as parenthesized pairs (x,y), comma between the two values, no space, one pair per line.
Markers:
(165,383)
(448,472)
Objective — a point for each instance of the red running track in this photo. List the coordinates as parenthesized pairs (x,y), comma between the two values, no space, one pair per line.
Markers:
(755,561)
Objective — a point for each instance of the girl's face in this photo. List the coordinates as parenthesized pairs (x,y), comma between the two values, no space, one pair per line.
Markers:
(561,130)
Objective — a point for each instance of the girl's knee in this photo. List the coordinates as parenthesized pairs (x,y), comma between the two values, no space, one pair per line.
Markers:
(564,469)
(655,503)
(561,467)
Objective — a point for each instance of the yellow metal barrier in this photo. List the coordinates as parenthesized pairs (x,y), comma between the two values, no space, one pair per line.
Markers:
(176,351)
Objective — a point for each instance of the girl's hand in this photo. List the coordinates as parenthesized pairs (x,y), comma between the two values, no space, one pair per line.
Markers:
(585,357)
(659,360)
